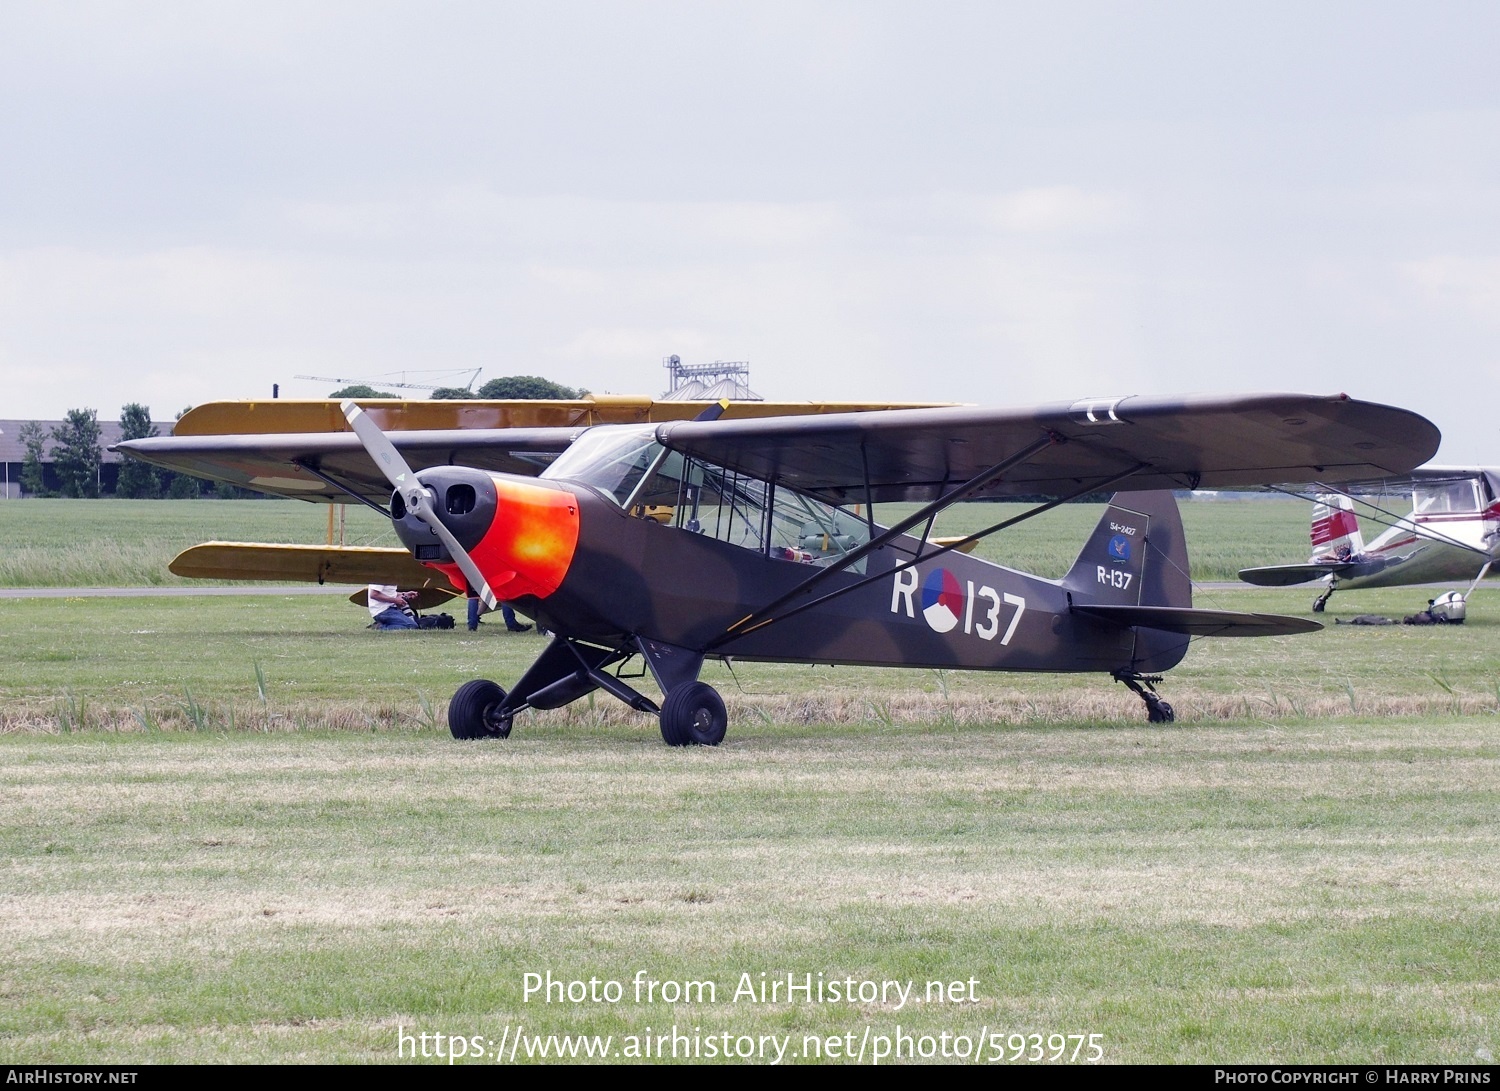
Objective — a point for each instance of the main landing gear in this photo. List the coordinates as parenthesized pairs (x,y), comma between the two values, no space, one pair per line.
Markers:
(692,714)
(1144,685)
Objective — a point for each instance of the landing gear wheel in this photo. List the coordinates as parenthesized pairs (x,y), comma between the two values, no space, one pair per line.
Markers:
(471,712)
(1144,687)
(693,715)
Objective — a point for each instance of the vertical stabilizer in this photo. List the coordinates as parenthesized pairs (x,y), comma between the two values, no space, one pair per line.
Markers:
(1137,556)
(1335,529)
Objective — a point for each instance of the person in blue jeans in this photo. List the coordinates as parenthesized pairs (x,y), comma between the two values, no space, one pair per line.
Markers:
(388,609)
(505,611)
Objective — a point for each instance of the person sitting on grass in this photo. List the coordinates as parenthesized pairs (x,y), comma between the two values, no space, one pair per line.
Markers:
(388,607)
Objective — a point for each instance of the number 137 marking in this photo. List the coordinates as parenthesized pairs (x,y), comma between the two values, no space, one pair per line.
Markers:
(989,624)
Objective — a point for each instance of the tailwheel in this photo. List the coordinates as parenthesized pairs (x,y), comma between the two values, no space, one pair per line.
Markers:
(1144,685)
(693,715)
(473,711)
(1322,600)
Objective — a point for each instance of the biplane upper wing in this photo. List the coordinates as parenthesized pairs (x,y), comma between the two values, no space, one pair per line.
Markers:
(1125,443)
(305,449)
(333,465)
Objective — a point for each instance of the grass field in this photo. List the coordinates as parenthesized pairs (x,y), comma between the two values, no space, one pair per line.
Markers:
(236,829)
(57,543)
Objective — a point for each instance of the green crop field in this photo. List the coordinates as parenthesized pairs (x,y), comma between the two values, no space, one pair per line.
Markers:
(128,543)
(235,829)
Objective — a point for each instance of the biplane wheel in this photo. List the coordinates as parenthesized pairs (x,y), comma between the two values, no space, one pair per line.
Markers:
(470,712)
(1159,712)
(693,715)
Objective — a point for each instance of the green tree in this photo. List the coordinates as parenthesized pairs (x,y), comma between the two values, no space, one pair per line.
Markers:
(359,390)
(33,473)
(76,456)
(527,388)
(137,480)
(452,393)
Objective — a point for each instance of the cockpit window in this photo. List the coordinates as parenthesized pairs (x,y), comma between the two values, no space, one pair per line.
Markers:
(612,460)
(1442,497)
(627,463)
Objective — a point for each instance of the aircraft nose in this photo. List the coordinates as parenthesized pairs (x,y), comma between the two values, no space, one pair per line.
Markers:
(464,499)
(521,535)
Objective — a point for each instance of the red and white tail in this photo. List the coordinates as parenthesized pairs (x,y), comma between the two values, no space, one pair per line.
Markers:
(1334,527)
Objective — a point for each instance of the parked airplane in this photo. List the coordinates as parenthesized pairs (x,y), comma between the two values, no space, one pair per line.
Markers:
(1451,533)
(689,540)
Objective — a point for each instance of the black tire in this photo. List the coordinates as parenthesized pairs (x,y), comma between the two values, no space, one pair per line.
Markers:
(1160,713)
(470,712)
(693,715)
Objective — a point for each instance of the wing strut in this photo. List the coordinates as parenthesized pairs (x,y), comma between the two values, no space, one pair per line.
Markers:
(337,484)
(953,496)
(749,623)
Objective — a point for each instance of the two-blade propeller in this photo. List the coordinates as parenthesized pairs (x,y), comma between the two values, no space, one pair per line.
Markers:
(417,497)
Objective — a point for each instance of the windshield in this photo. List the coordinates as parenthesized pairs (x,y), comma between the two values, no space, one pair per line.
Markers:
(612,459)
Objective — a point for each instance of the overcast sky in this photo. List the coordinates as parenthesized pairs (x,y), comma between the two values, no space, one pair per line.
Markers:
(993,203)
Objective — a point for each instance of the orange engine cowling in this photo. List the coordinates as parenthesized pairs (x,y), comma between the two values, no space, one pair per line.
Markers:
(521,535)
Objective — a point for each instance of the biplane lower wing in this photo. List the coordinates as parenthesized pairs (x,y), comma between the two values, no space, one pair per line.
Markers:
(307,564)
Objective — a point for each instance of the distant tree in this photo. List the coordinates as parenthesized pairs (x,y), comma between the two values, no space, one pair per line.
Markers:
(183,487)
(359,390)
(76,456)
(452,393)
(33,473)
(527,387)
(137,480)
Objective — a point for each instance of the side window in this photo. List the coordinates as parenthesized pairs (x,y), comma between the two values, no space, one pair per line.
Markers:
(746,512)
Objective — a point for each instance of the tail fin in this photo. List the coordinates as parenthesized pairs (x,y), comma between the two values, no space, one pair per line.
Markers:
(1137,555)
(1334,527)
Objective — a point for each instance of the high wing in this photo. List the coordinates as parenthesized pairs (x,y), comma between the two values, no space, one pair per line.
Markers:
(1402,484)
(304,449)
(1128,443)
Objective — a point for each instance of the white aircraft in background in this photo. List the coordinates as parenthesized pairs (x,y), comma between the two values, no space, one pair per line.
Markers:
(1451,533)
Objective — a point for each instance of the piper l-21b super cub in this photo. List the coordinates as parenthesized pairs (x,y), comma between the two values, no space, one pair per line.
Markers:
(754,538)
(1451,533)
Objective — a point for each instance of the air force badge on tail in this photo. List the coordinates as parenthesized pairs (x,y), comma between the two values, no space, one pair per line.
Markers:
(1119,550)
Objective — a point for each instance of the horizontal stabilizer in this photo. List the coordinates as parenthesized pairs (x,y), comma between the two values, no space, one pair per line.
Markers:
(305,564)
(1286,575)
(1179,619)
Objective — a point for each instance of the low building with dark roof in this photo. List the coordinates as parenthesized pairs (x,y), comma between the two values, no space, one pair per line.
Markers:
(13,457)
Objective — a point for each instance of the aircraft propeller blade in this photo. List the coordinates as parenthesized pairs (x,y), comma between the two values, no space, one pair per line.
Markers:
(416,495)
